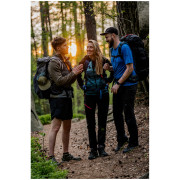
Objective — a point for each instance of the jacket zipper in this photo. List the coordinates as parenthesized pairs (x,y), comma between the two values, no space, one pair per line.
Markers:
(94,75)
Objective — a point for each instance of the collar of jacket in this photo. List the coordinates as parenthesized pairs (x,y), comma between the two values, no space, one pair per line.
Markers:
(59,56)
(66,62)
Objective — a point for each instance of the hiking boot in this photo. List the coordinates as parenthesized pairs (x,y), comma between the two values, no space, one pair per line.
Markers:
(53,159)
(93,154)
(68,157)
(102,152)
(129,148)
(120,145)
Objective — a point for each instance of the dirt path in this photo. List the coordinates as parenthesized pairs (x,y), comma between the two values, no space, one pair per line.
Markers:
(118,165)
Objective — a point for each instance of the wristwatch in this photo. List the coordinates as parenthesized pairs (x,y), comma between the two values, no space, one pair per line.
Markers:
(118,83)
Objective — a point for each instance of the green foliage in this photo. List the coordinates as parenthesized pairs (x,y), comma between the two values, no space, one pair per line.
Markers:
(42,134)
(47,170)
(80,116)
(45,119)
(36,155)
(42,168)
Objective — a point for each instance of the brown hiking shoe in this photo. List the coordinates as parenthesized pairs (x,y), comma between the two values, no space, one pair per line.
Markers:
(68,157)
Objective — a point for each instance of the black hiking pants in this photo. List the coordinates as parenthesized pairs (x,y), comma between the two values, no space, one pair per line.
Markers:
(90,107)
(123,102)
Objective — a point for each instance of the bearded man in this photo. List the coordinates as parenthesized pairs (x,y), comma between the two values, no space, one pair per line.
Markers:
(124,91)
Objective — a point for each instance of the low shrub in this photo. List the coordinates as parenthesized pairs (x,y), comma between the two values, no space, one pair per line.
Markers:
(41,168)
(45,119)
(80,116)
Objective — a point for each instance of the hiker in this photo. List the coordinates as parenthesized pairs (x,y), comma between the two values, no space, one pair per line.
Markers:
(62,76)
(123,90)
(95,93)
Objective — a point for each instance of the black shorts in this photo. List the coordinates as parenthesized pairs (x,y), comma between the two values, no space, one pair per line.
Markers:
(61,108)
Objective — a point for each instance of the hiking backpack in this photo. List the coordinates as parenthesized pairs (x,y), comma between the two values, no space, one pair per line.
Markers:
(42,70)
(140,58)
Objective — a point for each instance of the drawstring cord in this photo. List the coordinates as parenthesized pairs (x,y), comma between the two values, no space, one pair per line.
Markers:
(87,106)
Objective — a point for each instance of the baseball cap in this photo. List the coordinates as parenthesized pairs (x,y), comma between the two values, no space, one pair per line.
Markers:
(110,30)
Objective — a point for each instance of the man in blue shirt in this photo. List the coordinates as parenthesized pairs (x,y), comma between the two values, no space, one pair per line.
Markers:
(124,90)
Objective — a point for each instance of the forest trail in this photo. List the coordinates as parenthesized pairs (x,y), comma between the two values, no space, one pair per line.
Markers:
(117,165)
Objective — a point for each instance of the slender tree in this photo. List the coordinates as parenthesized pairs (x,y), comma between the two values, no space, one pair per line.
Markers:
(90,21)
(102,24)
(44,33)
(63,19)
(77,30)
(33,35)
(82,27)
(48,19)
(113,10)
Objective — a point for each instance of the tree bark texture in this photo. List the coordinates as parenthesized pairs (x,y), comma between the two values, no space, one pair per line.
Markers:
(77,30)
(48,18)
(102,23)
(44,39)
(33,36)
(128,22)
(63,17)
(90,21)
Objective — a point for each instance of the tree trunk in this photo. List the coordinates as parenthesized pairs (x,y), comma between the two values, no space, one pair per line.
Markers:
(102,25)
(77,30)
(82,27)
(128,22)
(33,36)
(48,18)
(63,17)
(119,20)
(114,22)
(90,21)
(44,39)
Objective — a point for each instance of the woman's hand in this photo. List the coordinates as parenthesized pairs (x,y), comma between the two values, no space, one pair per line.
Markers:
(78,69)
(106,66)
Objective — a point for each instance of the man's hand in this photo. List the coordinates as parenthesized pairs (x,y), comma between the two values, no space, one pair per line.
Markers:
(78,69)
(106,66)
(115,88)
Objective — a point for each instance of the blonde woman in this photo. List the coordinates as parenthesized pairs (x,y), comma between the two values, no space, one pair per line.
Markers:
(95,93)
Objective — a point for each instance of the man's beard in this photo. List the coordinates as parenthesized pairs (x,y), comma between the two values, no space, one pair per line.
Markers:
(111,42)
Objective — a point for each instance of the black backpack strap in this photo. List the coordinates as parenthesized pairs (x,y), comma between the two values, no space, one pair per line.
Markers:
(110,52)
(119,50)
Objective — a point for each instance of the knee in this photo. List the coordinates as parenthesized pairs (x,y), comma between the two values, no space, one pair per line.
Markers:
(55,129)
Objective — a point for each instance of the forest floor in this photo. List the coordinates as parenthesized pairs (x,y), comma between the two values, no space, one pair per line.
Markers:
(132,165)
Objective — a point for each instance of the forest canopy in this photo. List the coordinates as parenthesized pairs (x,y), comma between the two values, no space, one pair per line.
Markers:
(79,21)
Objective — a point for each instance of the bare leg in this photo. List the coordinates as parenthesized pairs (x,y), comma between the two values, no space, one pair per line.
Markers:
(55,126)
(66,134)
